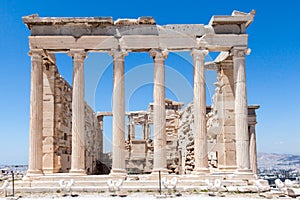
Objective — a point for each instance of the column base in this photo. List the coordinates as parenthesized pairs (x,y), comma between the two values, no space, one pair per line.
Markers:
(77,172)
(227,168)
(243,171)
(201,171)
(244,174)
(118,172)
(50,171)
(31,174)
(161,170)
(155,173)
(34,173)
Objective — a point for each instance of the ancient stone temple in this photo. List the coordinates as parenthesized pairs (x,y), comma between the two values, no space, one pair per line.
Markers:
(192,142)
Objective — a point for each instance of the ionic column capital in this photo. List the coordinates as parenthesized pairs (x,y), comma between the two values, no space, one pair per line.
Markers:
(158,54)
(240,51)
(118,54)
(199,53)
(78,54)
(36,53)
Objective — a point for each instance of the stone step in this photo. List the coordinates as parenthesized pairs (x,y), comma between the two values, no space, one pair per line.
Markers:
(69,177)
(129,185)
(136,188)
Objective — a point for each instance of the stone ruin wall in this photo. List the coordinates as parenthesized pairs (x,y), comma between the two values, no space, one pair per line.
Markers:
(186,140)
(57,131)
(139,152)
(57,126)
(180,133)
(93,140)
(220,128)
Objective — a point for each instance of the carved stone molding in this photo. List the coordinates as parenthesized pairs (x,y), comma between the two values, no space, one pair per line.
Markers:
(36,54)
(78,54)
(240,51)
(118,54)
(199,53)
(159,54)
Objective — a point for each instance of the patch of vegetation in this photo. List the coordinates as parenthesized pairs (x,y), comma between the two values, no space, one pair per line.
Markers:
(196,191)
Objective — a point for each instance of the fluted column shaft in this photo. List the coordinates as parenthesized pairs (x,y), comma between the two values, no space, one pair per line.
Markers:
(159,112)
(118,111)
(241,109)
(78,115)
(253,151)
(200,129)
(36,114)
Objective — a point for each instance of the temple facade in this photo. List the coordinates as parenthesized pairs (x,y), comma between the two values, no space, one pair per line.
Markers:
(66,135)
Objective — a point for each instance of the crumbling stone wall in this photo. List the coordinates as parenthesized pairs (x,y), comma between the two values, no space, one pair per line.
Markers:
(93,140)
(186,140)
(57,126)
(139,151)
(221,142)
(139,145)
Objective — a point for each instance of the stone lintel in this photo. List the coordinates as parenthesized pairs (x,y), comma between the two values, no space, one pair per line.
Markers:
(253,106)
(223,42)
(104,113)
(141,112)
(217,66)
(211,66)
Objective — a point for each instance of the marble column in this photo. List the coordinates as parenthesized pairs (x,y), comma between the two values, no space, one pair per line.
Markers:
(100,120)
(118,111)
(159,112)
(200,129)
(35,163)
(145,131)
(241,109)
(78,115)
(253,151)
(132,131)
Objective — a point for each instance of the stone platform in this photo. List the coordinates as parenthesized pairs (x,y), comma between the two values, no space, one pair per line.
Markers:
(132,183)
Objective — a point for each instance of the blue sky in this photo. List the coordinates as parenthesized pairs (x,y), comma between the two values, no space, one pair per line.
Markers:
(272,67)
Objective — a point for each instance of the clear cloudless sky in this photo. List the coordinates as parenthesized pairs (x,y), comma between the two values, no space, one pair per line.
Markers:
(273,67)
